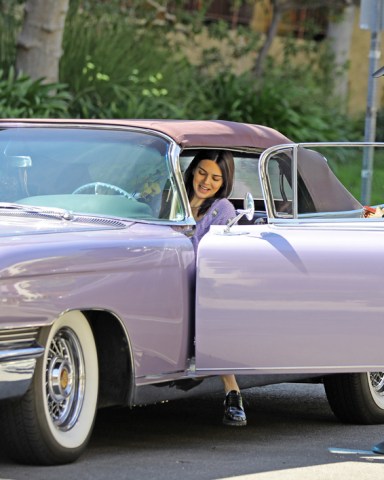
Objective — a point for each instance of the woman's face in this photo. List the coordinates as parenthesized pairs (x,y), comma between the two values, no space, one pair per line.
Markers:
(207,179)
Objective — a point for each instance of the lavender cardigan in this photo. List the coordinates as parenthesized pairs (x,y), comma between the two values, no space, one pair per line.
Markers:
(219,213)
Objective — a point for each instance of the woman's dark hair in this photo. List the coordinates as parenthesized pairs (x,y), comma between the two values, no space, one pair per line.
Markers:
(226,164)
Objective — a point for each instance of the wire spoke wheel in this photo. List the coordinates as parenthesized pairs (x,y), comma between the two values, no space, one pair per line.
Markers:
(376,384)
(52,423)
(65,382)
(356,397)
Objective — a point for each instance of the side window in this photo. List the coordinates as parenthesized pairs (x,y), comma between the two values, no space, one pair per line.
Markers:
(280,178)
(279,173)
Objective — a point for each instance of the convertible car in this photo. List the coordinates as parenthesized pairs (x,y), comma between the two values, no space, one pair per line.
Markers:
(103,302)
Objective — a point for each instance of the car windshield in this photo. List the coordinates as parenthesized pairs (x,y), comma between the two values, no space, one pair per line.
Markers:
(89,170)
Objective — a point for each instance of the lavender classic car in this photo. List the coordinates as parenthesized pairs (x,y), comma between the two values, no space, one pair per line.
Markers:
(103,302)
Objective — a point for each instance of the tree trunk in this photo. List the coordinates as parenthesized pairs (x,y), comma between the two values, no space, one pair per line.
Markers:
(39,46)
(340,37)
(258,69)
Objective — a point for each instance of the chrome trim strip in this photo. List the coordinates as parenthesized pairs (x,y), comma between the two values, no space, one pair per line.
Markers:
(175,151)
(335,222)
(16,377)
(17,336)
(264,177)
(295,189)
(21,353)
(319,369)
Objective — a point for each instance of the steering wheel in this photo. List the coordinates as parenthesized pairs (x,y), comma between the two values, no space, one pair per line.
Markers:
(92,188)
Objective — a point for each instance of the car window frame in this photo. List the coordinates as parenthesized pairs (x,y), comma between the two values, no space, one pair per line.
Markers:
(319,217)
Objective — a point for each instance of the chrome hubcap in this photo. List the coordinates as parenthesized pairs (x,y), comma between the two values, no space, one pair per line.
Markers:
(61,384)
(65,379)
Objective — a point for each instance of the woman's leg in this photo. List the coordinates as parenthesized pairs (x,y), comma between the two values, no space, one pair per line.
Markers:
(230,383)
(234,414)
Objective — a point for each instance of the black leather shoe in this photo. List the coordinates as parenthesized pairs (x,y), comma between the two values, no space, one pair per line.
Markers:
(234,414)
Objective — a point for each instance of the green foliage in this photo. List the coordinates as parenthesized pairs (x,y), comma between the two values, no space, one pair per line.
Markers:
(152,15)
(292,103)
(22,97)
(114,70)
(110,78)
(118,62)
(11,14)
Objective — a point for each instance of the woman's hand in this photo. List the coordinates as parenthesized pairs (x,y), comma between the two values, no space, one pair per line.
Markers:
(379,213)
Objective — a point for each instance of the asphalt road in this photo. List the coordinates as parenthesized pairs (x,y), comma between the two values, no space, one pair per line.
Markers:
(291,435)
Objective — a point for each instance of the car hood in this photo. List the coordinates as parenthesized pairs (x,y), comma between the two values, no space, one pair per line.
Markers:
(35,246)
(21,225)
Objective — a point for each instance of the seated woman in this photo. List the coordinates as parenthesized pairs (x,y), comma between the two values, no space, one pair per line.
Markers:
(209,181)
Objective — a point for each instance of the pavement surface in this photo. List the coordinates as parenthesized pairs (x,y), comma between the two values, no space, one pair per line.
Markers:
(291,435)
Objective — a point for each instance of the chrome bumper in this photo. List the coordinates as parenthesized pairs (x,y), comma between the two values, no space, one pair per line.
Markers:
(18,354)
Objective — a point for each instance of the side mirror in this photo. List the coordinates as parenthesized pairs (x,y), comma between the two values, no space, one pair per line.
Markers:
(248,211)
(249,206)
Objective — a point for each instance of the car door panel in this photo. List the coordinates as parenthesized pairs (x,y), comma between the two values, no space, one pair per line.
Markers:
(288,299)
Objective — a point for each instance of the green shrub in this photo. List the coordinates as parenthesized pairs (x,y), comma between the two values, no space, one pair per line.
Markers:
(295,98)
(118,69)
(11,15)
(22,97)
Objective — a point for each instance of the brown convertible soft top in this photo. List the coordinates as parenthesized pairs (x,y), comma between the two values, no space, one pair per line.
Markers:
(326,190)
(216,133)
(189,133)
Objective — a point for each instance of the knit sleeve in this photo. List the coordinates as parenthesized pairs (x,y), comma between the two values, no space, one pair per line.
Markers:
(223,212)
(220,212)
